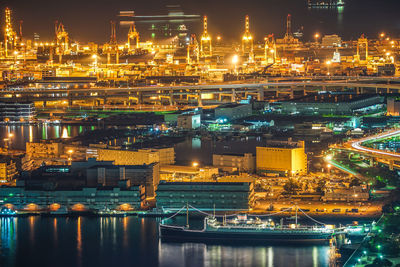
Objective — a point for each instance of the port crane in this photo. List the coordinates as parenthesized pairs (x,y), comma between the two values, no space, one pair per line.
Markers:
(192,50)
(111,48)
(247,41)
(10,36)
(205,41)
(133,35)
(62,40)
(270,49)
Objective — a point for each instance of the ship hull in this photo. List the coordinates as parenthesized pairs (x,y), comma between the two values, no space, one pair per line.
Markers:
(171,233)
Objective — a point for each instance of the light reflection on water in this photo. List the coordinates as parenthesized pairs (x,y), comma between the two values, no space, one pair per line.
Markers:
(34,133)
(131,241)
(194,254)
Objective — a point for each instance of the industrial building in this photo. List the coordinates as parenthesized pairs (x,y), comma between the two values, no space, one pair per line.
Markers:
(164,156)
(393,107)
(107,175)
(284,158)
(331,41)
(233,111)
(8,170)
(187,173)
(233,162)
(329,103)
(189,121)
(83,199)
(206,195)
(17,111)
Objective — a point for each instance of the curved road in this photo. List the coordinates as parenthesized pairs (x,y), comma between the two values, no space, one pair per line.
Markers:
(357,145)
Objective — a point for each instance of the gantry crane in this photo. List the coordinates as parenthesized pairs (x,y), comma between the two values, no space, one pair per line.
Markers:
(247,41)
(133,35)
(270,49)
(205,41)
(192,50)
(10,36)
(112,46)
(62,40)
(362,48)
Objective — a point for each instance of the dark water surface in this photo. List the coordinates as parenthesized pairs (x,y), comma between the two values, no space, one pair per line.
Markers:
(131,241)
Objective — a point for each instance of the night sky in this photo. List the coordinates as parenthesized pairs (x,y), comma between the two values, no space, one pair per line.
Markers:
(88,20)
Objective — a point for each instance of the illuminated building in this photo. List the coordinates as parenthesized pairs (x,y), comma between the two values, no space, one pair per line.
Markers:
(107,175)
(189,121)
(206,195)
(393,107)
(187,173)
(232,162)
(17,111)
(85,198)
(130,157)
(285,158)
(327,103)
(331,41)
(44,149)
(233,111)
(8,170)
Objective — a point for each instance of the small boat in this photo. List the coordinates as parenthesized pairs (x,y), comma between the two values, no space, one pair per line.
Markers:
(156,212)
(6,212)
(111,213)
(62,211)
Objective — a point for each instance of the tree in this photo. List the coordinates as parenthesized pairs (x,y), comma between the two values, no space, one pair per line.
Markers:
(291,187)
(355,182)
(321,186)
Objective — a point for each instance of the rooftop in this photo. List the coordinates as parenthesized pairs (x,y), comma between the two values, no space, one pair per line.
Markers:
(331,98)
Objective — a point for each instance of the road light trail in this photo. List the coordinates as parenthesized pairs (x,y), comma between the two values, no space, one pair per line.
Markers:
(358,145)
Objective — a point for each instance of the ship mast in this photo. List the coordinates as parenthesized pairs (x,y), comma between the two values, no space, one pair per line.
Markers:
(187,215)
(214,210)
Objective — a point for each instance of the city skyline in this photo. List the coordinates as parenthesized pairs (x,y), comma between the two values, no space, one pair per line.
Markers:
(266,17)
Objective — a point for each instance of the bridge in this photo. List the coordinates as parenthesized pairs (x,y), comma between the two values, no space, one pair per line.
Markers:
(200,93)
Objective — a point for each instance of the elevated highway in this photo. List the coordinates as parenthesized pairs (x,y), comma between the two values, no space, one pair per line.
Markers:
(200,93)
(384,156)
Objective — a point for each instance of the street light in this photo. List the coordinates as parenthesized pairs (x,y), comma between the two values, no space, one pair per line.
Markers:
(328,63)
(70,155)
(316,36)
(235,60)
(195,164)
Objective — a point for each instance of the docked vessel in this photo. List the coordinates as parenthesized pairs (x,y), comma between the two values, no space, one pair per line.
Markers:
(156,212)
(111,213)
(62,211)
(6,212)
(244,229)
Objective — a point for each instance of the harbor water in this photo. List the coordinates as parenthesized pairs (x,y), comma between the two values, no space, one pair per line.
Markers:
(131,241)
